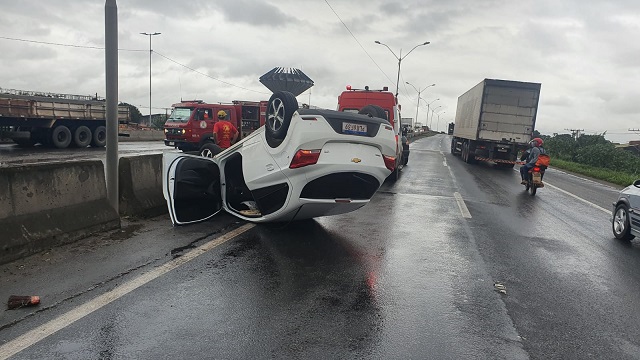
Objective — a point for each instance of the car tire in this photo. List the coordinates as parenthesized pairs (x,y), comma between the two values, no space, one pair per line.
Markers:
(621,225)
(209,150)
(99,138)
(373,111)
(61,137)
(82,137)
(280,109)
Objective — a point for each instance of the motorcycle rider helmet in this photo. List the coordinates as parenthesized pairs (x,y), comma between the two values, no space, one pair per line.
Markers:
(537,142)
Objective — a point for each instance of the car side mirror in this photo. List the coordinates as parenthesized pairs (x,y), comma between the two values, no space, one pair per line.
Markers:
(637,183)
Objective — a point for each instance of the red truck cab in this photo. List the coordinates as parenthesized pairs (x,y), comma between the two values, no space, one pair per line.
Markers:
(353,100)
(190,125)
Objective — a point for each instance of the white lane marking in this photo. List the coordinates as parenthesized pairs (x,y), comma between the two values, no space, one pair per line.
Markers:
(576,196)
(463,207)
(33,336)
(444,159)
(579,198)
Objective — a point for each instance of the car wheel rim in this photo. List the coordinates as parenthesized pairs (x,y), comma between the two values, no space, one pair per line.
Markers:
(620,221)
(276,115)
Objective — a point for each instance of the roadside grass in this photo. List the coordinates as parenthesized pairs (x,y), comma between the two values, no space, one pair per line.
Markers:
(615,177)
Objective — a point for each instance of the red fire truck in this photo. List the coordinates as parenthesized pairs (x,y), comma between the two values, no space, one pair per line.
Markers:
(355,100)
(190,125)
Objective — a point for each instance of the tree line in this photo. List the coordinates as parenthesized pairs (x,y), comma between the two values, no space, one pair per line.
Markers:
(591,150)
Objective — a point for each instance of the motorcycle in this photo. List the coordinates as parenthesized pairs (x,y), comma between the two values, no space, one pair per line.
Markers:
(534,179)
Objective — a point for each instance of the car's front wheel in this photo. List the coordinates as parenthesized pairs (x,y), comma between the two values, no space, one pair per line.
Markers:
(210,150)
(621,225)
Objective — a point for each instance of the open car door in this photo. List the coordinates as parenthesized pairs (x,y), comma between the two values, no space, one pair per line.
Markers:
(191,186)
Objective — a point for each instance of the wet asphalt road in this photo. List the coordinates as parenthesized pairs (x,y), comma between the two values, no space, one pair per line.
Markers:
(12,154)
(410,275)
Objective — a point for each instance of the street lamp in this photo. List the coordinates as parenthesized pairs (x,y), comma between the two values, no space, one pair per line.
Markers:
(400,58)
(418,102)
(150,51)
(429,104)
(438,123)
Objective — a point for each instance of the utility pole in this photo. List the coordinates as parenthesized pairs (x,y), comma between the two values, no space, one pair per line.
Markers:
(150,52)
(575,133)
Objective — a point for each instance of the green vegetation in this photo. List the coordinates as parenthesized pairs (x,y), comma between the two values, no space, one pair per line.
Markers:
(593,156)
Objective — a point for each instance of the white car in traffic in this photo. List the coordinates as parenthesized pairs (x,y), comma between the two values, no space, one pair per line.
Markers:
(303,163)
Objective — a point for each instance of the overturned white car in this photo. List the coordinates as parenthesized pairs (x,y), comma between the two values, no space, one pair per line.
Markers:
(303,163)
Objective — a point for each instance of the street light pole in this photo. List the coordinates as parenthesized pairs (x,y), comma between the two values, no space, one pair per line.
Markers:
(428,105)
(438,123)
(418,102)
(150,52)
(433,112)
(400,58)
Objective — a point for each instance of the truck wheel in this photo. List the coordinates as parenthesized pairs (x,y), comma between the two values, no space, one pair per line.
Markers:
(99,138)
(82,137)
(61,137)
(280,109)
(465,152)
(453,146)
(373,111)
(210,150)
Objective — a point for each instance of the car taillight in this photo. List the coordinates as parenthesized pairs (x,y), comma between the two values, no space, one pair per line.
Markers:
(304,158)
(389,162)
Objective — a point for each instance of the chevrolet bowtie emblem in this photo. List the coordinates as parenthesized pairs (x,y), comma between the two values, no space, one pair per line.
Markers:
(356,160)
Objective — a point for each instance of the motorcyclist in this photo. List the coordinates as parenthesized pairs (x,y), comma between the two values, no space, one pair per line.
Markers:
(534,152)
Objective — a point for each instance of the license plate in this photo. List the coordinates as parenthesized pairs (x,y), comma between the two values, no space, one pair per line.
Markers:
(355,129)
(171,143)
(537,177)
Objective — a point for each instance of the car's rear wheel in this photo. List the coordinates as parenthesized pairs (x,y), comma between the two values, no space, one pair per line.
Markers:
(373,111)
(621,225)
(280,109)
(210,150)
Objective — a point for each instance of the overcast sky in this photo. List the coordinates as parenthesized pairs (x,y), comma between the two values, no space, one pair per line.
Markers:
(586,54)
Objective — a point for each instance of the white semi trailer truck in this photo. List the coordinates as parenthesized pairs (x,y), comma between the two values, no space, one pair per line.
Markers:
(494,120)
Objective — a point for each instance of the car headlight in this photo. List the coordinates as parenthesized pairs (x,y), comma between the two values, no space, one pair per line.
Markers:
(166,131)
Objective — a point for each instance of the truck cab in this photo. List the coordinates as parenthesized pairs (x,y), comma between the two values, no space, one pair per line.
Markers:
(353,100)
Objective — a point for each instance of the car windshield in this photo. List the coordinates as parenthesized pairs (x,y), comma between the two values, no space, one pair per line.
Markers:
(180,115)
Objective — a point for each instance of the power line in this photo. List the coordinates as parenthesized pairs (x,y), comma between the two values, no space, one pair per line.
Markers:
(134,50)
(209,76)
(356,39)
(60,44)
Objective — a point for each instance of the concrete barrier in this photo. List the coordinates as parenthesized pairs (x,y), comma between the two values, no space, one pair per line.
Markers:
(46,205)
(140,186)
(142,135)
